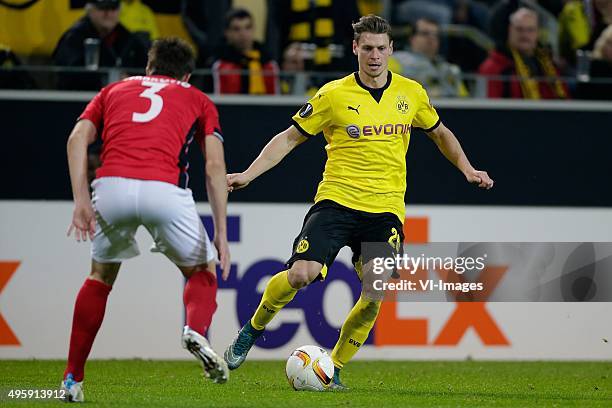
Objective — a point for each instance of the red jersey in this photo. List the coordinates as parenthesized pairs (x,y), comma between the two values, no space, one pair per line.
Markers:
(147,124)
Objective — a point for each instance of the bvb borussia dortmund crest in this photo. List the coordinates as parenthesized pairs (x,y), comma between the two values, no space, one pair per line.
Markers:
(402,104)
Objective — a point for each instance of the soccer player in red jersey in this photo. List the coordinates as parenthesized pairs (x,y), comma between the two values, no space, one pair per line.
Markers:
(146,125)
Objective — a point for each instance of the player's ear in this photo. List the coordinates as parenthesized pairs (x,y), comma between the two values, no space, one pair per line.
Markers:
(391,47)
(354,47)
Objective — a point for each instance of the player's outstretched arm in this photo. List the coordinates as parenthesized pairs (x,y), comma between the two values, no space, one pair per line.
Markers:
(270,156)
(217,196)
(451,149)
(83,218)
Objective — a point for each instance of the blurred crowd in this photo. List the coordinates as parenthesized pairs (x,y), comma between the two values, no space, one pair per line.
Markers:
(530,49)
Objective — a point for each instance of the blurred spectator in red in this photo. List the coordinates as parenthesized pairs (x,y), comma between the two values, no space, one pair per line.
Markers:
(241,65)
(116,46)
(502,9)
(525,61)
(599,85)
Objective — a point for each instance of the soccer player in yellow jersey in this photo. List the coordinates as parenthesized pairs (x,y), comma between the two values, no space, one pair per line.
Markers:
(366,118)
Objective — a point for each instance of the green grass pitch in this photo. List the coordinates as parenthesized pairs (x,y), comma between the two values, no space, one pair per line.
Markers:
(137,383)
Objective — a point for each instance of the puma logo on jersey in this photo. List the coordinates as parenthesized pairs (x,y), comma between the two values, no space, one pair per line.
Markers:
(354,109)
(355,343)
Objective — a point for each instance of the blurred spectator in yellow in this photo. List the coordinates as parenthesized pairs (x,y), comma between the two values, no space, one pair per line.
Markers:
(241,65)
(139,19)
(423,63)
(599,85)
(525,61)
(574,29)
(97,40)
(581,22)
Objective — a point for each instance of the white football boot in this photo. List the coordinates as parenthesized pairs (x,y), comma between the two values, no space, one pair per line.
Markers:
(214,366)
(72,390)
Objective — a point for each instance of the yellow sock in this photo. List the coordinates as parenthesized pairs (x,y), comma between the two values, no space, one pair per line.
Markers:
(355,330)
(277,294)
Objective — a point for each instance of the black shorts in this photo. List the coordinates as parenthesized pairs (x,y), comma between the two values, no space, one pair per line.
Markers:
(329,226)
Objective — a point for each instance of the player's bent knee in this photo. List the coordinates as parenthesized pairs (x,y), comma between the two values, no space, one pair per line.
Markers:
(104,272)
(303,272)
(371,282)
(189,271)
(298,277)
(370,293)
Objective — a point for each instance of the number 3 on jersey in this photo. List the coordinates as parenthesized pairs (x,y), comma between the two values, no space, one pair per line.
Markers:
(157,103)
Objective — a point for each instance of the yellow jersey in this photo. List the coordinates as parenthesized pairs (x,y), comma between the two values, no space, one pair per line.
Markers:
(367,132)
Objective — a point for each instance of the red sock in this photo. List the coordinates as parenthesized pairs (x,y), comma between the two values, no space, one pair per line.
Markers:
(200,302)
(88,315)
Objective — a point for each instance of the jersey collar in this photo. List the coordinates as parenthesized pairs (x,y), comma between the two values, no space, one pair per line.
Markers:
(376,93)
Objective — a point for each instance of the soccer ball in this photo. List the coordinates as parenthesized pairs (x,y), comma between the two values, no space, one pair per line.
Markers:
(309,368)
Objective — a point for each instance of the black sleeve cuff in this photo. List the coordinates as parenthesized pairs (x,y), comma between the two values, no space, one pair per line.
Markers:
(301,129)
(431,128)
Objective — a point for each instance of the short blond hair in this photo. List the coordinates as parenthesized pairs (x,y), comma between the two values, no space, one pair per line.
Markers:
(606,35)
